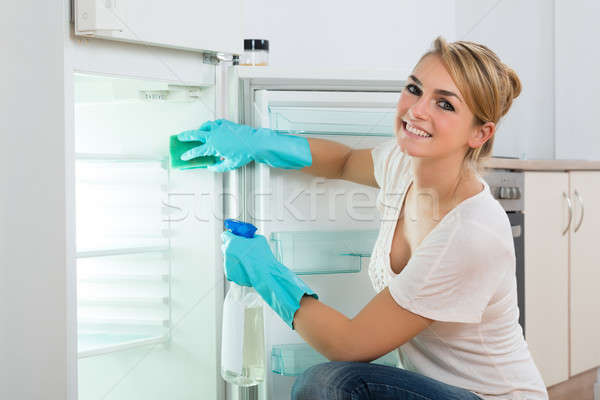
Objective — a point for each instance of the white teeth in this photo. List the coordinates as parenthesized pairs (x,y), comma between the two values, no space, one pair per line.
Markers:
(416,131)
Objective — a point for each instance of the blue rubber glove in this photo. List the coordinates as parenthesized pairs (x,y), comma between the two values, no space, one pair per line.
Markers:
(250,262)
(240,144)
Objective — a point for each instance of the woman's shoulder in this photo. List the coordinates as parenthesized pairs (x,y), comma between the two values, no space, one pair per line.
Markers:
(484,223)
(390,165)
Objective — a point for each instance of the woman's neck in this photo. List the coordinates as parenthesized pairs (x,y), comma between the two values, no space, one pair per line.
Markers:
(445,178)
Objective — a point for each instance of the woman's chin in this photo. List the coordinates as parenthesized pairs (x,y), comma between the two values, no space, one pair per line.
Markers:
(410,147)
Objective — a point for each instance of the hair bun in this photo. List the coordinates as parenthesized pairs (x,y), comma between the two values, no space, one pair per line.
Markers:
(514,81)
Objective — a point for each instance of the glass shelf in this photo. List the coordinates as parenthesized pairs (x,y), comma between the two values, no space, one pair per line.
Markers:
(98,343)
(116,158)
(122,277)
(323,252)
(122,251)
(294,359)
(123,299)
(333,121)
(123,322)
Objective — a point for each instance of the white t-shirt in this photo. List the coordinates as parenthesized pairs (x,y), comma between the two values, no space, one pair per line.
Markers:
(462,276)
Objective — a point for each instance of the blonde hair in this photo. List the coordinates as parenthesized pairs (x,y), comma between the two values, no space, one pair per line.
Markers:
(487,85)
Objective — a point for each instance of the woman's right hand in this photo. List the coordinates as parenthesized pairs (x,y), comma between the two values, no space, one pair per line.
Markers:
(237,145)
(225,139)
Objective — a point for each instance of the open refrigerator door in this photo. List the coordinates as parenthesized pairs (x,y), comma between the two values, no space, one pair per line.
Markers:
(149,271)
(323,230)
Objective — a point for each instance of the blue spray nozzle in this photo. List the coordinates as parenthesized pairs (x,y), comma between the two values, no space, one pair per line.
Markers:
(240,228)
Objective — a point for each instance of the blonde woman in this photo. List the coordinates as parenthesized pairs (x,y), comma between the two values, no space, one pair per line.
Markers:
(443,264)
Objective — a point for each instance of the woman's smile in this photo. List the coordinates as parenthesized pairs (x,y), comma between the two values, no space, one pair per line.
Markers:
(413,131)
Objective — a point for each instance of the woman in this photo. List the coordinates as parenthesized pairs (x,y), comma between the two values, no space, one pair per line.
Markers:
(445,276)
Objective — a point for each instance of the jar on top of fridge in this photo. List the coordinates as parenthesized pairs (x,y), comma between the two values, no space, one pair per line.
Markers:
(256,52)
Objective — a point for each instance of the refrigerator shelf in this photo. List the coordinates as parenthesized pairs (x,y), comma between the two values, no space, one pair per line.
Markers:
(323,252)
(137,158)
(124,322)
(294,359)
(333,121)
(123,251)
(98,277)
(124,301)
(95,344)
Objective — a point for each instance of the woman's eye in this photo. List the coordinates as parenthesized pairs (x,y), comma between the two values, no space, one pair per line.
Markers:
(445,105)
(413,89)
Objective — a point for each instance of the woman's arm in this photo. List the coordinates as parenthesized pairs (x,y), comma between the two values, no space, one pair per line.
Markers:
(379,328)
(335,160)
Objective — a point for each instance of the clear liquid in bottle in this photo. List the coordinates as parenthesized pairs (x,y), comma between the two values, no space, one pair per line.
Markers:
(243,346)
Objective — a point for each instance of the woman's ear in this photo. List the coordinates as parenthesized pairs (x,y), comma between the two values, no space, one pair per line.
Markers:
(482,134)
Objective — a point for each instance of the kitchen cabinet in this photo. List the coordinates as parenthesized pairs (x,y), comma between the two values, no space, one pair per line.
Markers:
(585,271)
(562,216)
(201,25)
(546,272)
(576,65)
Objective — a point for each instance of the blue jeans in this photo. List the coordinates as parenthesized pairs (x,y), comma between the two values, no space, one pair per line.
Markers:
(361,381)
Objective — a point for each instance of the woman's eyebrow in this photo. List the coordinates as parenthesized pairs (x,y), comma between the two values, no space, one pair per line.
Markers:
(437,91)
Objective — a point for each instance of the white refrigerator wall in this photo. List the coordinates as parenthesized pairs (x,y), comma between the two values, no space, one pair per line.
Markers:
(33,253)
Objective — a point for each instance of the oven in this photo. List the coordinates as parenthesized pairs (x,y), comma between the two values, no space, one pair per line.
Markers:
(507,187)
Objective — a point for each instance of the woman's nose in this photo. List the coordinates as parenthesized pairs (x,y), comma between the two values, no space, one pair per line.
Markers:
(419,109)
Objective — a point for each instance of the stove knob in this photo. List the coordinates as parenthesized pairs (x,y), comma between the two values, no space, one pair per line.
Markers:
(503,193)
(517,194)
(495,191)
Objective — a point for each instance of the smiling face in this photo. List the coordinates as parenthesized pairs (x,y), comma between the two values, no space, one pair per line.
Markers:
(432,118)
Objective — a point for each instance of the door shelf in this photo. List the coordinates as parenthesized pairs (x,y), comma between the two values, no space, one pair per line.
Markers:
(294,359)
(323,252)
(333,121)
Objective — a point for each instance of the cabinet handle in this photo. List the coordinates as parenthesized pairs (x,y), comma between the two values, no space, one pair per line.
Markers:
(570,213)
(578,197)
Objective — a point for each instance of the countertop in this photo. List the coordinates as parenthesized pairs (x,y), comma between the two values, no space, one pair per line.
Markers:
(542,165)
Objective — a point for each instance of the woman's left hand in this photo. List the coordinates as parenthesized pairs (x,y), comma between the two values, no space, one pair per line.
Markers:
(242,255)
(250,262)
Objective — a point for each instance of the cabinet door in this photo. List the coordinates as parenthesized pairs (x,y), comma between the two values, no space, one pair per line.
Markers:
(585,271)
(546,273)
(200,25)
(576,102)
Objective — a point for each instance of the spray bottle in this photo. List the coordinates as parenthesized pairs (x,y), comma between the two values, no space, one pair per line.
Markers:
(243,358)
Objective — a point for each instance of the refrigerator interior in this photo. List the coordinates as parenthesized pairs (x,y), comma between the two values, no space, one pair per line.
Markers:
(149,290)
(322,229)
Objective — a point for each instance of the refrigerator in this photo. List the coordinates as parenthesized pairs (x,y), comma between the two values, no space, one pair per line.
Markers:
(148,271)
(113,281)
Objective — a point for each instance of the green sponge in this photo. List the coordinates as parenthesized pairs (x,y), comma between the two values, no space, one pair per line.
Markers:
(177,148)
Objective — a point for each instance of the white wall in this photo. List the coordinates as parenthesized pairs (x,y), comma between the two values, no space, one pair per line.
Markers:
(33,348)
(341,34)
(344,34)
(577,82)
(522,34)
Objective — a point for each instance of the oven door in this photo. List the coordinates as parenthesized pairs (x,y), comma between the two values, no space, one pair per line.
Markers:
(517,223)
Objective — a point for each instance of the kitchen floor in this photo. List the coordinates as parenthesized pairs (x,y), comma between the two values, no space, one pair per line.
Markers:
(579,387)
